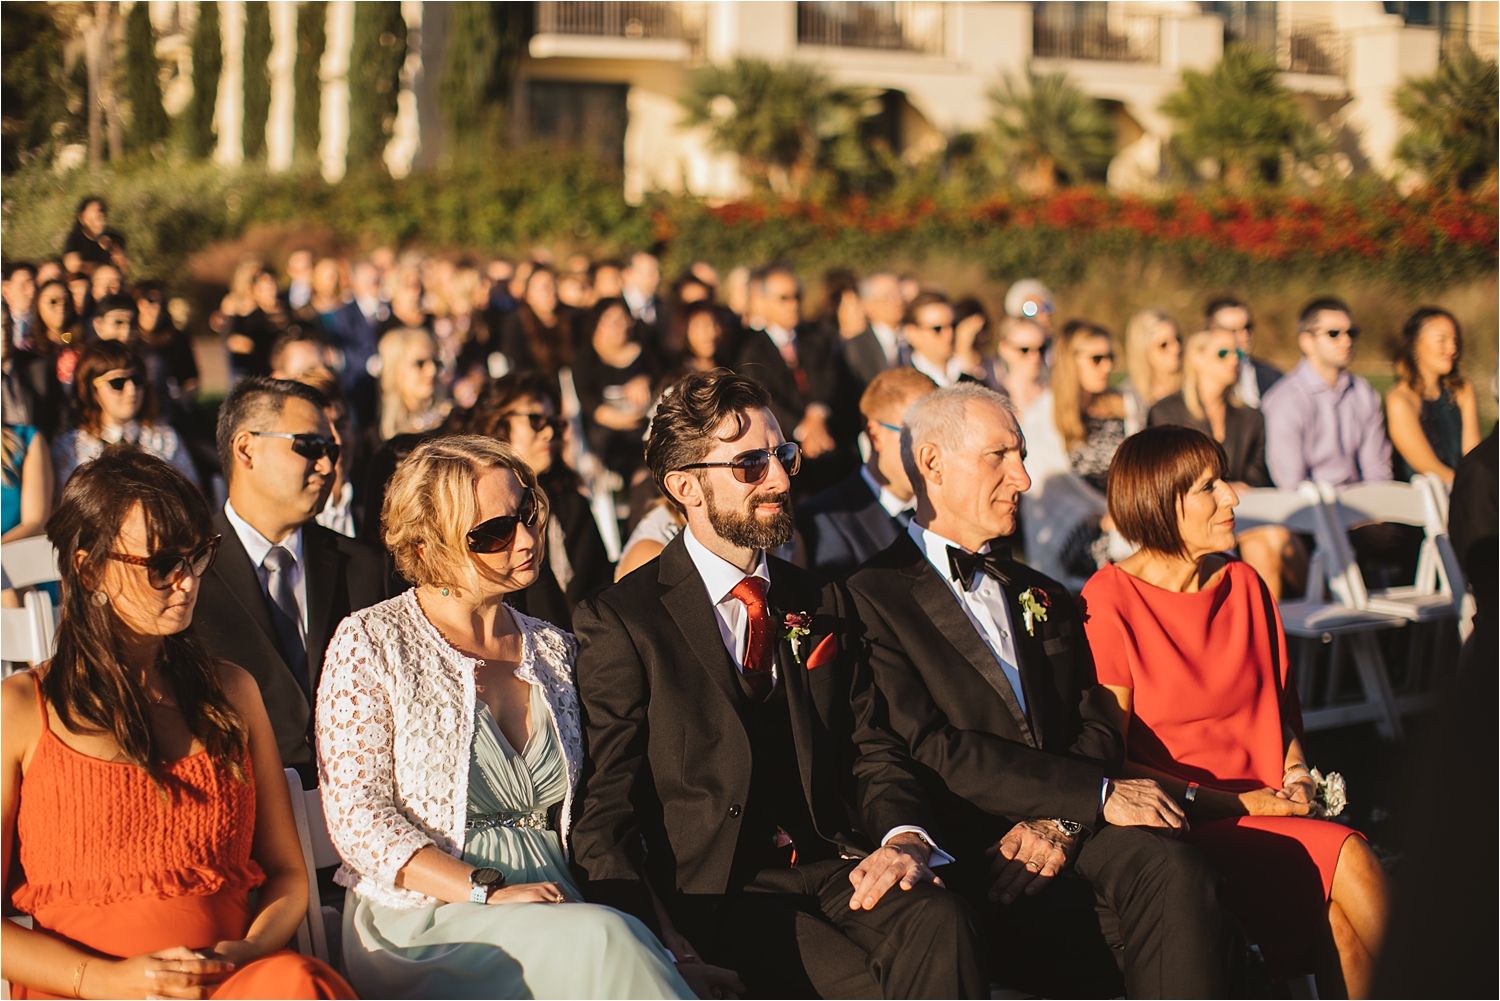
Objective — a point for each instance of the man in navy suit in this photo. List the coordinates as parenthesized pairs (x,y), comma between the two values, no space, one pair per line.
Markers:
(861,515)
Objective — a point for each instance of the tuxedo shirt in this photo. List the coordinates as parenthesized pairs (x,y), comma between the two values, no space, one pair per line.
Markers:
(719,578)
(257,547)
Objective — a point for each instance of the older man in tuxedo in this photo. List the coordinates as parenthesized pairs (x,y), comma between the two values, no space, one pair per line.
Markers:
(740,793)
(988,676)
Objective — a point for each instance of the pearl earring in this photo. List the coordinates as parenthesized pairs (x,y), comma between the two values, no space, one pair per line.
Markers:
(101,599)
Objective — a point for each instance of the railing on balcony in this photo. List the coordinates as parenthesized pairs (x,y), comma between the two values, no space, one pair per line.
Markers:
(1483,40)
(910,27)
(1092,31)
(613,20)
(1312,48)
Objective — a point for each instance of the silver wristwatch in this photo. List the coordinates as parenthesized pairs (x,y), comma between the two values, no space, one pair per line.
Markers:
(1069,827)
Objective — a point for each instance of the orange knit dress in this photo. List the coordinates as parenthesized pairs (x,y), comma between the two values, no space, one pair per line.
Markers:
(113,866)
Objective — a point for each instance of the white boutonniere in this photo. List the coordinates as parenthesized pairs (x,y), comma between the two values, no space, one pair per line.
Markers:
(794,626)
(1034,605)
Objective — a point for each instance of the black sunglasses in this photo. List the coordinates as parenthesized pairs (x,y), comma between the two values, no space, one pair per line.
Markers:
(165,570)
(1028,348)
(540,421)
(118,384)
(309,446)
(1334,335)
(752,466)
(497,534)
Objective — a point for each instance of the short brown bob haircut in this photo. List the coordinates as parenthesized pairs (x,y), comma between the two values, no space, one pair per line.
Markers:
(1151,473)
(430,503)
(689,416)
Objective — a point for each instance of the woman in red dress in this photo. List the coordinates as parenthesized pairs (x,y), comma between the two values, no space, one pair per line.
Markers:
(1190,643)
(143,795)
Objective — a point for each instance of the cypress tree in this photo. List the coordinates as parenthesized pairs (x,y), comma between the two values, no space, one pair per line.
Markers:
(208,64)
(257,72)
(374,77)
(148,119)
(307,80)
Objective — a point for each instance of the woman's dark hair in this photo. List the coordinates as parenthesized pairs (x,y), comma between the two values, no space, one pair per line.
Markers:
(965,308)
(596,313)
(487,415)
(101,357)
(688,418)
(552,347)
(677,338)
(70,312)
(1406,349)
(88,200)
(1150,474)
(87,682)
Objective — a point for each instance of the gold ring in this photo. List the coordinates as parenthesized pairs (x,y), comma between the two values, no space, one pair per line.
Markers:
(1033,867)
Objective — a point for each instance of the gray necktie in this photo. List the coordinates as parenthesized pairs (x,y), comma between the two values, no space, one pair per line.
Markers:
(284,611)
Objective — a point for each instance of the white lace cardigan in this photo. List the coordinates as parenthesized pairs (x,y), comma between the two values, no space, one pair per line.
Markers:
(395,728)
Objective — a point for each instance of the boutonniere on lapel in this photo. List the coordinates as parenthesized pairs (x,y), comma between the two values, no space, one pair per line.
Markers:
(1034,605)
(794,626)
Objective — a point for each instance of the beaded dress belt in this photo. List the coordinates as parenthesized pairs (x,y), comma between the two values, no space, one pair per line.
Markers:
(490,821)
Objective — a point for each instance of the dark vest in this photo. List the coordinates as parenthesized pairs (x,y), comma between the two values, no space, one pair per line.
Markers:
(777,802)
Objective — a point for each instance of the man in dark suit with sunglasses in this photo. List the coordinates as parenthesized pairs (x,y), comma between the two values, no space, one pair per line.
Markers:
(282,583)
(737,764)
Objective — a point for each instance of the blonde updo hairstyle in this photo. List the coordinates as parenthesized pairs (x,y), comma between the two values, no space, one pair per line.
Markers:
(430,504)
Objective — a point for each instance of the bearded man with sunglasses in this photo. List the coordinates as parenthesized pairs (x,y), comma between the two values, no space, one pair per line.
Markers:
(282,583)
(740,793)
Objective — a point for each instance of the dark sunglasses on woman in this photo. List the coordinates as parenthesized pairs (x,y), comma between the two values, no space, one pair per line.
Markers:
(309,446)
(540,421)
(497,534)
(752,466)
(166,570)
(118,384)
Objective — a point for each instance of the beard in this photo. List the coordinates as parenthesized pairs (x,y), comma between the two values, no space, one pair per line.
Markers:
(747,530)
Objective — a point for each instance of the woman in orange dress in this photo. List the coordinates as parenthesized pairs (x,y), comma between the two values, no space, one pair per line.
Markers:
(1190,643)
(143,795)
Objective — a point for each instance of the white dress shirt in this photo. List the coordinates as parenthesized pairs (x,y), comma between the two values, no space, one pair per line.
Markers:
(257,547)
(1248,387)
(719,578)
(945,376)
(338,514)
(893,505)
(890,343)
(984,603)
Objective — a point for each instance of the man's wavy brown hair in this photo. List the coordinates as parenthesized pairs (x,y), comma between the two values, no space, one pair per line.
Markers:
(689,418)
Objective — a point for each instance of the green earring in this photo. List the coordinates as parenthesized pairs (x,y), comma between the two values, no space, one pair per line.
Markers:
(445,592)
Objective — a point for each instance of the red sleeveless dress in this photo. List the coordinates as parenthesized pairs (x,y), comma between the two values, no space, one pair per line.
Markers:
(1211,691)
(113,866)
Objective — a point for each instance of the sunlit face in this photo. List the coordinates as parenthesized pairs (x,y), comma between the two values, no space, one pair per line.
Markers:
(299,265)
(327,281)
(703,335)
(296,358)
(1205,516)
(114,325)
(1024,350)
(263,290)
(1216,359)
(645,274)
(691,292)
(782,301)
(419,370)
(977,485)
(931,336)
(608,283)
(141,608)
(534,444)
(119,406)
(148,312)
(106,281)
(746,515)
(19,291)
(1166,350)
(884,304)
(541,293)
(1095,358)
(499,492)
(1436,349)
(52,306)
(294,484)
(1332,351)
(1236,320)
(92,218)
(613,330)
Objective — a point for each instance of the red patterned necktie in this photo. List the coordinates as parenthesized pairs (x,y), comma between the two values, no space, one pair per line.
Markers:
(751,592)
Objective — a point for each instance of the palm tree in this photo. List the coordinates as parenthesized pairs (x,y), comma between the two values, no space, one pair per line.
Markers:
(1453,117)
(1048,130)
(784,122)
(1240,115)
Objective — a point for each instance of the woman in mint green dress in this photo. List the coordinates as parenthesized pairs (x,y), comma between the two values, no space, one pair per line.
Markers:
(449,746)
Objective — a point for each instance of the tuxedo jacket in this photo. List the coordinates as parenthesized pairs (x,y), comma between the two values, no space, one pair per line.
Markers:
(667,757)
(843,526)
(865,358)
(985,763)
(760,359)
(233,617)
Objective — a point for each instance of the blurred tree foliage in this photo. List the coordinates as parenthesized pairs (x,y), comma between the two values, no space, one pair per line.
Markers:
(148,119)
(374,78)
(208,64)
(1049,131)
(307,82)
(1452,117)
(257,77)
(1240,116)
(786,123)
(41,98)
(483,51)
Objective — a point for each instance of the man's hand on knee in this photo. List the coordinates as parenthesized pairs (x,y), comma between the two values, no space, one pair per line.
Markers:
(1027,859)
(903,861)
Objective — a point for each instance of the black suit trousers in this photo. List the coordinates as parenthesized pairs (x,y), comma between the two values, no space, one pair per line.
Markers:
(789,932)
(1154,902)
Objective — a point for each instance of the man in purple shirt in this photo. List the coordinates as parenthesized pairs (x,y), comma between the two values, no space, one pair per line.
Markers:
(1322,422)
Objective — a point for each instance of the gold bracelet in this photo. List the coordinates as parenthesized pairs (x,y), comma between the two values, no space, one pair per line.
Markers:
(78,978)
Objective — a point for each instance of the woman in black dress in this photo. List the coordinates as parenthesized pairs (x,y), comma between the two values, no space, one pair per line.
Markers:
(90,243)
(614,374)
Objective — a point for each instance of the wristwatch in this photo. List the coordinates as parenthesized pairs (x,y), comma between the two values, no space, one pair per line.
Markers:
(1069,827)
(484,881)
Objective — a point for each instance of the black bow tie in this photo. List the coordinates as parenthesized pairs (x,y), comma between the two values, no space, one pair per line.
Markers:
(963,566)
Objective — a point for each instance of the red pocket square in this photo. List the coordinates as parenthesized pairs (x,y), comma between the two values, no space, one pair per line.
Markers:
(826,653)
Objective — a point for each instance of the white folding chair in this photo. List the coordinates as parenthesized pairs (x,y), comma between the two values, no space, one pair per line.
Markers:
(1314,621)
(1450,571)
(317,853)
(1430,596)
(28,634)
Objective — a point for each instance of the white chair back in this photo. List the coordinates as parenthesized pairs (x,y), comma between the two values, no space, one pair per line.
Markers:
(1294,509)
(26,562)
(29,634)
(317,853)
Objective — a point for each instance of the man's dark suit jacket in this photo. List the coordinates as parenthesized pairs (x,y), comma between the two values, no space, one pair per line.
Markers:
(668,759)
(233,618)
(843,526)
(986,765)
(1266,375)
(865,358)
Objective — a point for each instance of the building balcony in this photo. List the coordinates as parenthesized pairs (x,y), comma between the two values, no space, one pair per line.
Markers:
(1084,31)
(898,27)
(627,30)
